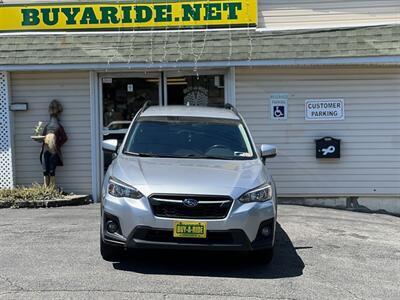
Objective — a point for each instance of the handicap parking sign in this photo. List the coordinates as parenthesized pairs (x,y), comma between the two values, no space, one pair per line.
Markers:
(279,106)
(279,111)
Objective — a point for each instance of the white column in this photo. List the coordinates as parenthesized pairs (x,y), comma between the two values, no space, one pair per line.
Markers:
(230,86)
(6,161)
(96,136)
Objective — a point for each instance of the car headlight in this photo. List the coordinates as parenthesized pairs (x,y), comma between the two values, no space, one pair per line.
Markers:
(120,189)
(261,194)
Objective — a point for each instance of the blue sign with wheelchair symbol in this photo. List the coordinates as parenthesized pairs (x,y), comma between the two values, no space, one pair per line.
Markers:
(279,112)
(279,106)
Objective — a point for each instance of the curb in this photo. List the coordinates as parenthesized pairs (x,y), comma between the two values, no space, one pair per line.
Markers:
(348,204)
(70,201)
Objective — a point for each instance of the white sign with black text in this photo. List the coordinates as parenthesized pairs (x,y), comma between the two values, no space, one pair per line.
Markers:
(324,109)
(279,106)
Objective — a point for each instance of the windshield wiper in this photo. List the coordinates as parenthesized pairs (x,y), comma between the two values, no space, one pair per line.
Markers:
(190,156)
(149,155)
(139,154)
(193,156)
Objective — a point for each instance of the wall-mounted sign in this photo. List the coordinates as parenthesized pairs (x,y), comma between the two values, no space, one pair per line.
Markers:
(19,107)
(327,147)
(128,15)
(324,109)
(279,106)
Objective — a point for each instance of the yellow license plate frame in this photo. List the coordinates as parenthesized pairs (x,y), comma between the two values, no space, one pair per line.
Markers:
(190,229)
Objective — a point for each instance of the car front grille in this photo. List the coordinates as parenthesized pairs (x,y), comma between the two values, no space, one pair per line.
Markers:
(208,207)
(166,236)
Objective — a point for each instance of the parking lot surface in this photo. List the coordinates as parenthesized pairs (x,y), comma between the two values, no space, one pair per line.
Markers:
(320,254)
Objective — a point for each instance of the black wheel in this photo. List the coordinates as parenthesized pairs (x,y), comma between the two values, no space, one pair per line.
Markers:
(262,256)
(111,253)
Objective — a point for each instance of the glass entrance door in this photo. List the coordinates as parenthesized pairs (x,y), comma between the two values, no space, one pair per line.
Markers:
(122,99)
(123,96)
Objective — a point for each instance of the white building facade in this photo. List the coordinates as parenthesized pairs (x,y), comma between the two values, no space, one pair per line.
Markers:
(341,54)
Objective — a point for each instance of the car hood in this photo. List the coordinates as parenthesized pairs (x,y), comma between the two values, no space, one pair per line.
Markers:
(189,176)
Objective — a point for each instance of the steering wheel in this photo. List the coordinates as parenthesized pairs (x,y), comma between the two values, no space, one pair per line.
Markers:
(216,147)
(184,131)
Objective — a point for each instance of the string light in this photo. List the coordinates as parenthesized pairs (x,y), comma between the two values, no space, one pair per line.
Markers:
(249,35)
(196,42)
(198,56)
(178,43)
(152,41)
(192,48)
(132,42)
(230,43)
(164,58)
(116,51)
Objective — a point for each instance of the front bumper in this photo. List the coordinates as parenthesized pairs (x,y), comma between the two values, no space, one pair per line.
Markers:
(240,230)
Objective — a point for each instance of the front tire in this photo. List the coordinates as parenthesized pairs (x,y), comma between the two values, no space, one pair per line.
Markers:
(109,252)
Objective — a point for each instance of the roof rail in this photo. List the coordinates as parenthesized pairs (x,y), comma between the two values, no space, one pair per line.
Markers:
(232,108)
(146,105)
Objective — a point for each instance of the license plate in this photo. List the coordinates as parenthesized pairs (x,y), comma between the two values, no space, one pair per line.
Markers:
(190,229)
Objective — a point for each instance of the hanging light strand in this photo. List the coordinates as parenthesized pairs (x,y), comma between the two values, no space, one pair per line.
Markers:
(150,60)
(117,49)
(249,34)
(132,42)
(202,48)
(164,57)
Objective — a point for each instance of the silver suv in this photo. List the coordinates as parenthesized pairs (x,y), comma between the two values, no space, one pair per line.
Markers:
(188,178)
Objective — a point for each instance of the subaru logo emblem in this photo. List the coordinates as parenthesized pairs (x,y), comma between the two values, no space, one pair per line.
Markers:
(190,202)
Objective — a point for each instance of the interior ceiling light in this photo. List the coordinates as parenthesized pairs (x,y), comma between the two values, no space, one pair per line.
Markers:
(177,83)
(180,79)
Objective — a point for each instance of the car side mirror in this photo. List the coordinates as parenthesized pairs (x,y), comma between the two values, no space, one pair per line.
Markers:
(268,151)
(110,145)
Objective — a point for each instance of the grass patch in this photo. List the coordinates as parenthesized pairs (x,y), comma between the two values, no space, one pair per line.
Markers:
(32,193)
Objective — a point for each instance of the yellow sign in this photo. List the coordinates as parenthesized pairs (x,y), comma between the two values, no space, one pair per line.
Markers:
(128,15)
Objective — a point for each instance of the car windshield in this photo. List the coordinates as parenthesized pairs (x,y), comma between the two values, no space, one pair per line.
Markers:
(184,137)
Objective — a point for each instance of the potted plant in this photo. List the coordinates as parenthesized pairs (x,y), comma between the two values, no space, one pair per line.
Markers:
(37,133)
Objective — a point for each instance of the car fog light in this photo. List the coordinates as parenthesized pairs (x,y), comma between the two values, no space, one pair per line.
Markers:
(112,227)
(266,231)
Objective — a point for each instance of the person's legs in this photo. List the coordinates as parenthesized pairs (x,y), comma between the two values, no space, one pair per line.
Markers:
(45,166)
(53,161)
(50,162)
(52,183)
(46,181)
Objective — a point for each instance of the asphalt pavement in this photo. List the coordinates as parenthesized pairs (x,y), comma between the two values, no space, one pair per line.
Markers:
(320,254)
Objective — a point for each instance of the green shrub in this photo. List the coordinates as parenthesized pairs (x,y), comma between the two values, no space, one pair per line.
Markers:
(34,192)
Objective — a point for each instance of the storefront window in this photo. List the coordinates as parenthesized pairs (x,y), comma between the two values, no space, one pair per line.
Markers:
(123,97)
(203,90)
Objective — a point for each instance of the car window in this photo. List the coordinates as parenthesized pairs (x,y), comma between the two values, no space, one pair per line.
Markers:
(118,126)
(189,138)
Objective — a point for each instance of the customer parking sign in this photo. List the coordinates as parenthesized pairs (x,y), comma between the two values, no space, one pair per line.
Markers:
(324,109)
(279,106)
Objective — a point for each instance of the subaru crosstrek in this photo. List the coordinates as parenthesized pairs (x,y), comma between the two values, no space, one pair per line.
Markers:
(188,178)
